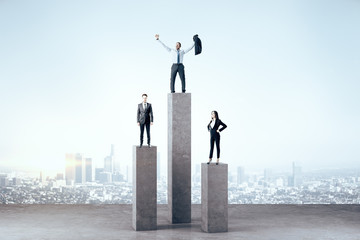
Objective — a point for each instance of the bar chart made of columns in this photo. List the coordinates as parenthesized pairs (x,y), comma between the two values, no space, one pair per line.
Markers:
(179,157)
(214,197)
(144,207)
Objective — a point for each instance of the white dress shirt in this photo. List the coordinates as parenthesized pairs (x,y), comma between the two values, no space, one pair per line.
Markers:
(174,52)
(144,105)
(212,123)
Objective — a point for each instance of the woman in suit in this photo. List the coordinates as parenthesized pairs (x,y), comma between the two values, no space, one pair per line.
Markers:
(214,130)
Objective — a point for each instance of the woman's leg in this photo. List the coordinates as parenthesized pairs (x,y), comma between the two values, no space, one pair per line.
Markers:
(212,139)
(217,141)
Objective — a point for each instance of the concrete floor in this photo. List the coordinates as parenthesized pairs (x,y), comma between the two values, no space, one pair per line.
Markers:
(251,222)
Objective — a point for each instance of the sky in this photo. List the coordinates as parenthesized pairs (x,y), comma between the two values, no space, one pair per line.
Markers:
(283,75)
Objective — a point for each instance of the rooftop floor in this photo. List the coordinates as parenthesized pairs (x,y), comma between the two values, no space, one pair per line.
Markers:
(251,222)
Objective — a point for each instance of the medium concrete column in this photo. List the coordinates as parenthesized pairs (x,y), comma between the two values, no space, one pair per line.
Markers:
(144,207)
(214,197)
(179,157)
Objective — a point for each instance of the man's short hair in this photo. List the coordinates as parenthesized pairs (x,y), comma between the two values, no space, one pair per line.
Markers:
(144,95)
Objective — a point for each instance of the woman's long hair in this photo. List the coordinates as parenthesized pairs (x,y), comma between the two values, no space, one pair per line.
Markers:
(216,114)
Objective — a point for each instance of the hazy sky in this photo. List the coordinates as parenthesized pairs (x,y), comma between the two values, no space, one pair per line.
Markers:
(283,75)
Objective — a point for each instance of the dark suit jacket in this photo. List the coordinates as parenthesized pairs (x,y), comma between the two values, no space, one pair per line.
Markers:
(144,115)
(217,124)
(198,45)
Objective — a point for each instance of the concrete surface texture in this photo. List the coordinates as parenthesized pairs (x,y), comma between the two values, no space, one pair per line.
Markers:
(254,222)
(214,197)
(179,157)
(144,188)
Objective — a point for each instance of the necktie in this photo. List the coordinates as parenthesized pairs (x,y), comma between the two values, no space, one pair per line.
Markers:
(144,105)
(178,56)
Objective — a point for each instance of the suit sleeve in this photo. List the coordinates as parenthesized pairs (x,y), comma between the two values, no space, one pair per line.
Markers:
(223,126)
(138,114)
(208,126)
(151,114)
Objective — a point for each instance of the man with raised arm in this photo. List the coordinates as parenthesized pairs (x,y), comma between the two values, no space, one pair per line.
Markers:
(177,60)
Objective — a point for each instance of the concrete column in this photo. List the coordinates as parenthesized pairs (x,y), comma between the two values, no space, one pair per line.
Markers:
(214,197)
(144,207)
(179,157)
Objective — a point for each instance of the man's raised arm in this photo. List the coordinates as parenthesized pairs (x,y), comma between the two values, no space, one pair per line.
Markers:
(166,47)
(187,50)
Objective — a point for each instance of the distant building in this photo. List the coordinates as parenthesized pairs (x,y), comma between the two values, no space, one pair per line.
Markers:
(60,176)
(240,175)
(88,169)
(3,180)
(98,171)
(108,164)
(105,177)
(111,163)
(296,179)
(16,181)
(267,175)
(197,174)
(158,167)
(79,169)
(69,169)
(117,177)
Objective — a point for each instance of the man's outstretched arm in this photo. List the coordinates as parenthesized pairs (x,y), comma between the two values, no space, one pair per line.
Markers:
(166,47)
(187,50)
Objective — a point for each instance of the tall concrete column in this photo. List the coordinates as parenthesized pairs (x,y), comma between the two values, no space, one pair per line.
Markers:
(214,197)
(179,157)
(144,207)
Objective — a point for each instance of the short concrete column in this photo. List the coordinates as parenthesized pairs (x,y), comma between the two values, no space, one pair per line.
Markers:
(179,157)
(214,197)
(144,207)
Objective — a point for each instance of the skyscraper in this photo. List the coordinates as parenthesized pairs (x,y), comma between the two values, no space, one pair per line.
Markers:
(297,175)
(88,169)
(112,166)
(70,169)
(108,165)
(98,171)
(79,169)
(115,160)
(240,175)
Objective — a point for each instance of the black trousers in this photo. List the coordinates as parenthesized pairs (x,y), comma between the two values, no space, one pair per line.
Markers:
(177,68)
(214,137)
(147,125)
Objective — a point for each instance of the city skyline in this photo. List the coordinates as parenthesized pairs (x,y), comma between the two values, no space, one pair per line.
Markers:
(282,76)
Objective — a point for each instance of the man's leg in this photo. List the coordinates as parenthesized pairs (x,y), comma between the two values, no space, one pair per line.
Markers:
(141,134)
(147,125)
(174,70)
(182,76)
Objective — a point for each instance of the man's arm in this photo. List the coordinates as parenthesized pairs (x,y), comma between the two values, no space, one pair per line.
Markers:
(166,47)
(151,115)
(138,114)
(187,50)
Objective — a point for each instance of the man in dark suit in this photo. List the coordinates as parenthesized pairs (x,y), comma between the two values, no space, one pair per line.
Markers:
(144,119)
